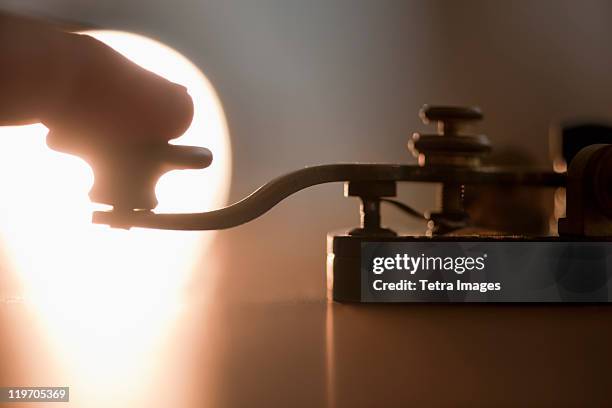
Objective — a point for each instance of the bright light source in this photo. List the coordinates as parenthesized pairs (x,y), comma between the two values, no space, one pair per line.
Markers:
(107,296)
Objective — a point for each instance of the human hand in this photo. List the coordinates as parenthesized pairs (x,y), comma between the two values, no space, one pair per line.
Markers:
(82,89)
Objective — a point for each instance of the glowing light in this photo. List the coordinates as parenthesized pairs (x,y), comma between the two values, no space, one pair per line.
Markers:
(107,295)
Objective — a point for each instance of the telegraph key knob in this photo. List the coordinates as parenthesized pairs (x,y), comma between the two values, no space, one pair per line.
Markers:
(126,173)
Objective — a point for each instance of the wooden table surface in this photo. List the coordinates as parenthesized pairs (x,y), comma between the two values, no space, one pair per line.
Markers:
(319,354)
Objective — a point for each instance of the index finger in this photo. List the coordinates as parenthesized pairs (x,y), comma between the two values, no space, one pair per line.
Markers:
(81,88)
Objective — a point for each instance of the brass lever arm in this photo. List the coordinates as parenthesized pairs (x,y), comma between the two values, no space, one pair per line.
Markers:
(271,193)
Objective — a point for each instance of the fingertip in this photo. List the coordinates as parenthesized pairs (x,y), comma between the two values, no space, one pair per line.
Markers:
(103,95)
(180,110)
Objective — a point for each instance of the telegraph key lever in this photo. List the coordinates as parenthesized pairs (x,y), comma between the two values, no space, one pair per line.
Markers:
(452,159)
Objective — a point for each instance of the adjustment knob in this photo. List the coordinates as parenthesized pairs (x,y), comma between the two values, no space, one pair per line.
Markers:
(449,147)
(449,118)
